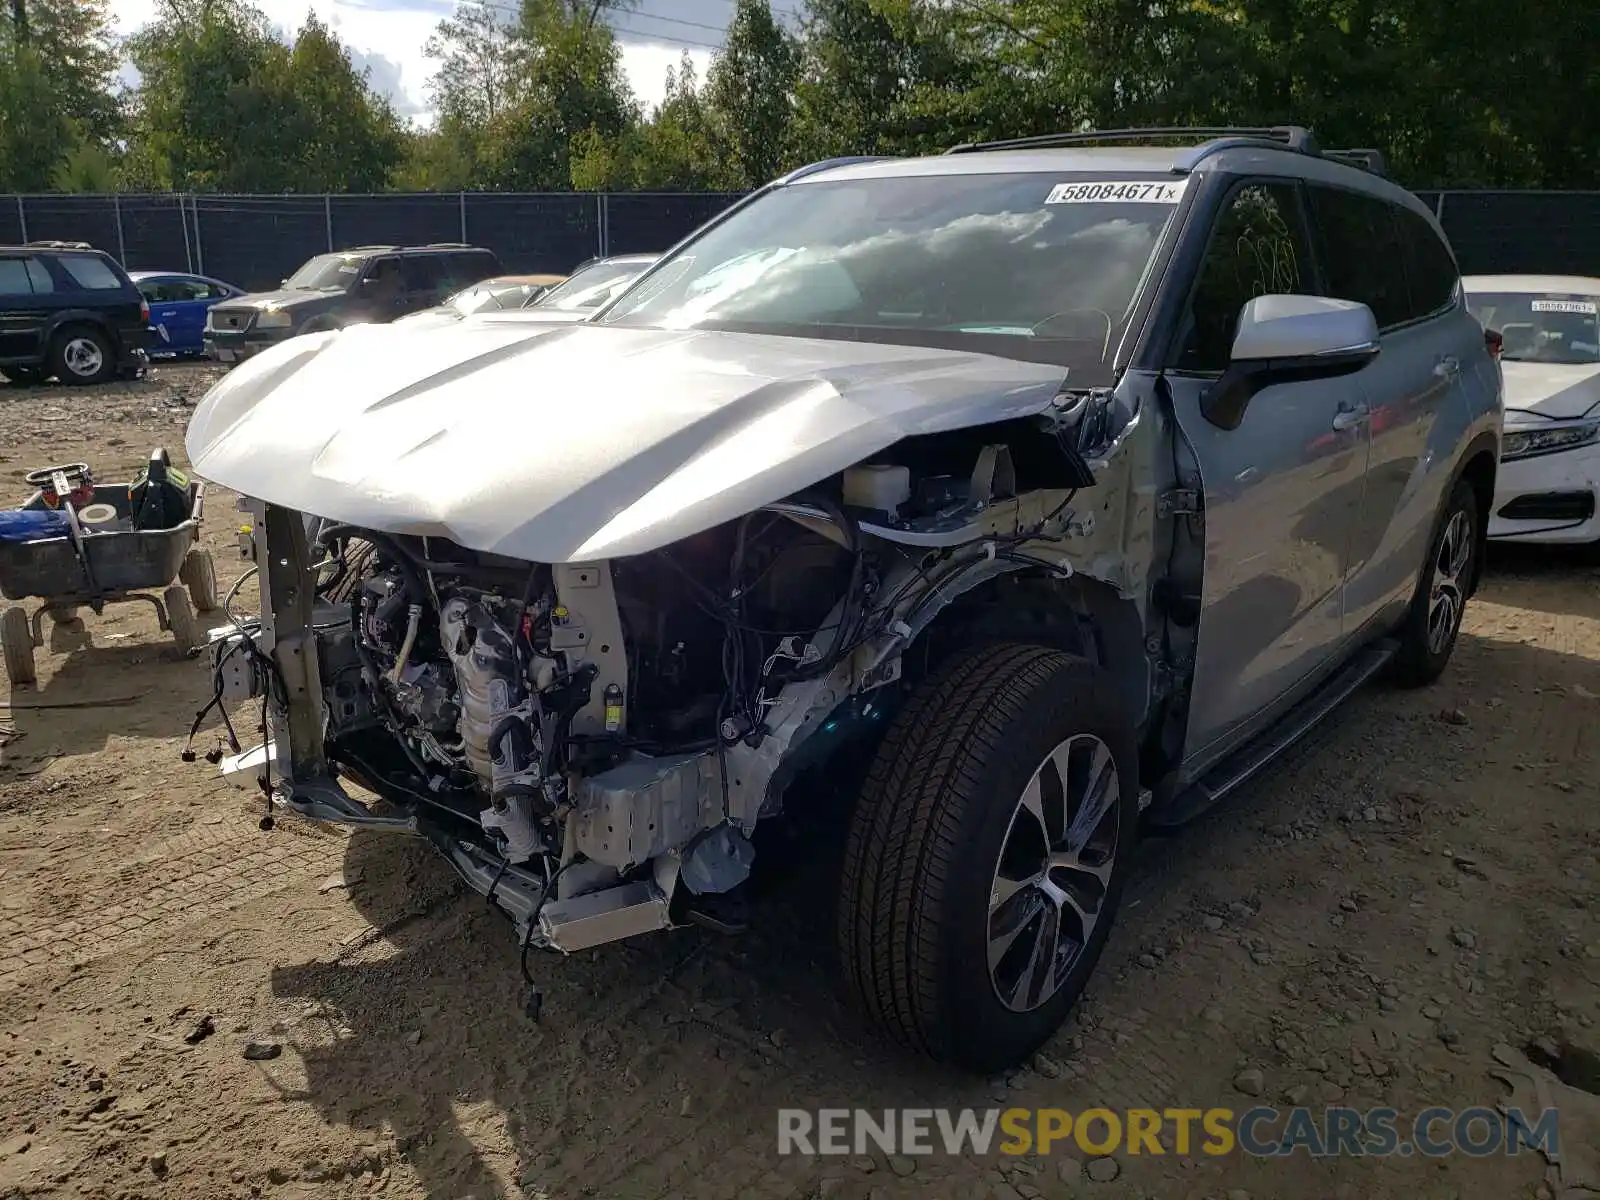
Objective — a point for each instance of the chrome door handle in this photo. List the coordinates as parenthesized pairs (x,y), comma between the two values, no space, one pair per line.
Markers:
(1351,418)
(1447,367)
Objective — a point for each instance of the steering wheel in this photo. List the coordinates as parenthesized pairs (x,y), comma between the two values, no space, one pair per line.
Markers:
(71,472)
(1099,317)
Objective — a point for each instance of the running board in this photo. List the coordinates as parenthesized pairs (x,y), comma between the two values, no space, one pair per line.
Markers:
(1243,764)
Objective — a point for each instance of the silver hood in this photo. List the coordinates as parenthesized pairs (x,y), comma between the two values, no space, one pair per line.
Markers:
(1552,390)
(580,442)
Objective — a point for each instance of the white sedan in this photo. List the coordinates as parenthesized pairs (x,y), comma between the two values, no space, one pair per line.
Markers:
(1549,474)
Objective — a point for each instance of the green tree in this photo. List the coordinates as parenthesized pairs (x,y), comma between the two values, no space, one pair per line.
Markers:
(567,82)
(35,136)
(57,67)
(858,69)
(675,150)
(474,49)
(347,137)
(224,106)
(750,89)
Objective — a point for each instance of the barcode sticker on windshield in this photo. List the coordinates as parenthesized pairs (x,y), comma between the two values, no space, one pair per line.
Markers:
(1587,307)
(1110,191)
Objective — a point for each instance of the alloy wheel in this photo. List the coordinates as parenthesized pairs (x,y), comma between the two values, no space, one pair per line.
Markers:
(83,357)
(1050,884)
(1448,594)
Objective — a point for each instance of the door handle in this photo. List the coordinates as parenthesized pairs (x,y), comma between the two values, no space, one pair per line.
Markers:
(1447,367)
(1351,418)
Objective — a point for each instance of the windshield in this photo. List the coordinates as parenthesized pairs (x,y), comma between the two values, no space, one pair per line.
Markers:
(1029,265)
(324,271)
(1542,327)
(592,286)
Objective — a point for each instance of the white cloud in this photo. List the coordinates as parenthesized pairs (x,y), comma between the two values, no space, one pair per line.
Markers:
(388,35)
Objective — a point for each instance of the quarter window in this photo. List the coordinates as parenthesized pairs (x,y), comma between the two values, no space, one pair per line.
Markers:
(1362,250)
(1258,247)
(90,272)
(1431,274)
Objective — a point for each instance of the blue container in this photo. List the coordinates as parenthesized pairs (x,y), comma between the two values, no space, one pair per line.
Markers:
(26,525)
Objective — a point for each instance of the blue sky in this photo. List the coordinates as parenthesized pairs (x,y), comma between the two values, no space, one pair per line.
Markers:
(387,37)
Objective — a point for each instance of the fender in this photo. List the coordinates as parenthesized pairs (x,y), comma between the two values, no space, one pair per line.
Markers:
(79,316)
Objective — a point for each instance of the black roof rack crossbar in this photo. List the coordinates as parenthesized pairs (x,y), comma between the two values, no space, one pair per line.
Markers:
(1367,160)
(1296,137)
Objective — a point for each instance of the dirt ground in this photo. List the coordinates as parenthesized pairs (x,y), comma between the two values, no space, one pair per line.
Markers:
(1418,884)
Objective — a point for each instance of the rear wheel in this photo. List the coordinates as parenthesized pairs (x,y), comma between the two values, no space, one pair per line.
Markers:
(987,854)
(81,354)
(16,640)
(1434,621)
(199,575)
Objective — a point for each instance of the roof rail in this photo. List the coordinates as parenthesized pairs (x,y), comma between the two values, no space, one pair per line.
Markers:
(446,246)
(1295,137)
(1367,160)
(56,244)
(356,249)
(843,161)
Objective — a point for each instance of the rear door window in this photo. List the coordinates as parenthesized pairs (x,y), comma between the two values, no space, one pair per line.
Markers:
(1362,253)
(91,273)
(424,273)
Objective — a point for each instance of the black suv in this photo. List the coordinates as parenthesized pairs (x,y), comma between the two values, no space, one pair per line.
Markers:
(69,310)
(347,287)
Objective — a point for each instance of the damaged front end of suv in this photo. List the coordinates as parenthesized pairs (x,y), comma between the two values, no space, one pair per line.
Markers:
(584,606)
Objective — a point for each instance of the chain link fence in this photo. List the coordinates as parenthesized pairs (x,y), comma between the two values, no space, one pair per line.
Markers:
(254,241)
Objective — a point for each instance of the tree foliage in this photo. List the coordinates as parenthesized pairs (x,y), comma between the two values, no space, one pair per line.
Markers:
(224,105)
(531,95)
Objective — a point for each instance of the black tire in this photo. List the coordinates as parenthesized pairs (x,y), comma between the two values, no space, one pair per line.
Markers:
(1421,658)
(926,838)
(82,355)
(180,616)
(16,643)
(199,575)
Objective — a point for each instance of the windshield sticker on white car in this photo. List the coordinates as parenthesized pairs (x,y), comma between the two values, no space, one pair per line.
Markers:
(349,268)
(1587,307)
(1111,191)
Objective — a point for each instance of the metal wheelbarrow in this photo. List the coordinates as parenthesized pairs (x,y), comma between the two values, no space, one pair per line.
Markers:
(75,544)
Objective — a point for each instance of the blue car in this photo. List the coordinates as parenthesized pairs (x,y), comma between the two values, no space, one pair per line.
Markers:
(178,304)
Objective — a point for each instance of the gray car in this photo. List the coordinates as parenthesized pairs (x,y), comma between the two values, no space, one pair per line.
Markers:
(1026,496)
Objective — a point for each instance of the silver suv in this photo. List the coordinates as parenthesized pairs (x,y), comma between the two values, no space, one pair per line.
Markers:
(1027,495)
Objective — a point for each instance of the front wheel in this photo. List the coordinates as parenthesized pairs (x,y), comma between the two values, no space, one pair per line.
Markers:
(1434,620)
(987,854)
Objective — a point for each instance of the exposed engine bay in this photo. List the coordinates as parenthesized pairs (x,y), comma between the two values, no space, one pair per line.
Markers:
(592,744)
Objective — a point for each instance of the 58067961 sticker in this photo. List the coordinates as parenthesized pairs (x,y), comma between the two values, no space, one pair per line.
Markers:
(1586,307)
(1118,191)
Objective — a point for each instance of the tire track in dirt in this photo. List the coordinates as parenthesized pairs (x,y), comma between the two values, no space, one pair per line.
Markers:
(205,870)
